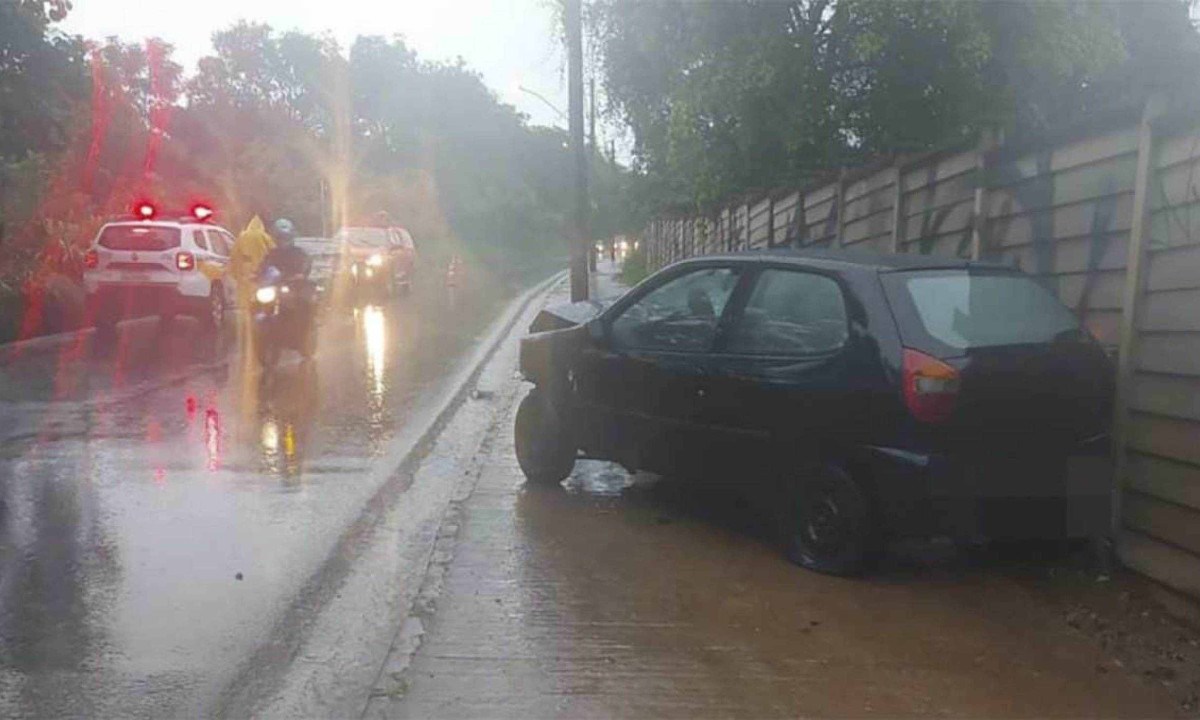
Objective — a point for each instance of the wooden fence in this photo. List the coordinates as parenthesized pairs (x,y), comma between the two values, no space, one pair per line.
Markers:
(1111,221)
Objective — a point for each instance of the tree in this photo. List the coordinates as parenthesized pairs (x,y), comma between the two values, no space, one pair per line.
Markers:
(724,96)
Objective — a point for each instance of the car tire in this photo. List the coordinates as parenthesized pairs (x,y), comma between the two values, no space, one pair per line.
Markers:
(308,346)
(544,451)
(268,353)
(106,331)
(829,522)
(215,311)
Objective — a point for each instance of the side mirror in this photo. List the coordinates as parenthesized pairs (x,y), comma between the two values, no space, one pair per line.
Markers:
(595,329)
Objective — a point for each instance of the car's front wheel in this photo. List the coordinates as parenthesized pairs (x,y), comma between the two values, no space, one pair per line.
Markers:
(829,522)
(545,449)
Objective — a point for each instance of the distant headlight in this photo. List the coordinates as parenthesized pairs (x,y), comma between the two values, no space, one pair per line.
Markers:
(266,295)
(375,260)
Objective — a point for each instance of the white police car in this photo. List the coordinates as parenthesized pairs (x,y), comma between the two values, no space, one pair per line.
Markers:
(152,265)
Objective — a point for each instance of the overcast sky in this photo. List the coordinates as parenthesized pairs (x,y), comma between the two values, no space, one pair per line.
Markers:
(511,42)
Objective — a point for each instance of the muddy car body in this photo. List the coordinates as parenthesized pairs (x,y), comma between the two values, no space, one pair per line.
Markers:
(870,395)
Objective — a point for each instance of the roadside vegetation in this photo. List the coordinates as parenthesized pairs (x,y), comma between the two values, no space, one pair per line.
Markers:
(276,123)
(634,269)
(729,96)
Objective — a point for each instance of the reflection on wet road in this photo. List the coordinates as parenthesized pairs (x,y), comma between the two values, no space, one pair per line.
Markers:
(163,501)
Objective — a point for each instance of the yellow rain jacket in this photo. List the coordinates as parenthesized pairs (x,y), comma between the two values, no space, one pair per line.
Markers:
(248,252)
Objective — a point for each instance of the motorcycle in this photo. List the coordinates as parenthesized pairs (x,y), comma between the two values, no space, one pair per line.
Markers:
(284,316)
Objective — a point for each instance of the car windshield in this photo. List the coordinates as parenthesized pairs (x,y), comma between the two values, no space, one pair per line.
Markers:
(139,237)
(367,236)
(964,310)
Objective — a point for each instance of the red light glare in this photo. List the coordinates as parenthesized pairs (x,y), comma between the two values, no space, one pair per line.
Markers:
(185,261)
(144,210)
(202,212)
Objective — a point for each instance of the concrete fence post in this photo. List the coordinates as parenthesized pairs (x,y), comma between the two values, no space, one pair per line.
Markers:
(898,207)
(728,230)
(746,231)
(839,201)
(1134,276)
(979,221)
(771,220)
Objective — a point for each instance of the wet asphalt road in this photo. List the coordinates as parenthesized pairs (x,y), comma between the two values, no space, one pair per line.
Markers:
(162,503)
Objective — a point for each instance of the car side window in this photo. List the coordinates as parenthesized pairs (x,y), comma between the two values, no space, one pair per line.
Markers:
(218,243)
(680,315)
(198,238)
(790,313)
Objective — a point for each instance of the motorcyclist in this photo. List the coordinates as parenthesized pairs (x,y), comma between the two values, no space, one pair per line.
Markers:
(293,264)
(286,257)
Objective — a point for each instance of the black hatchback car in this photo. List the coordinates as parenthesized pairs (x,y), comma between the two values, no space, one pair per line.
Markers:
(869,395)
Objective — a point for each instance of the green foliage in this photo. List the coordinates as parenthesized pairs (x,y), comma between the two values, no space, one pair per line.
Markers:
(635,268)
(274,124)
(727,96)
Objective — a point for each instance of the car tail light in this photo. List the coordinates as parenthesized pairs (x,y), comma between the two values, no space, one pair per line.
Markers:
(930,387)
(185,261)
(91,259)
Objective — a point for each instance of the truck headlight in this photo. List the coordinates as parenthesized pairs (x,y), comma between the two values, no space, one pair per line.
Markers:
(375,260)
(266,294)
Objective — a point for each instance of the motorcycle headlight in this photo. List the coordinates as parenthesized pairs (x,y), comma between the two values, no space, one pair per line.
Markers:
(375,260)
(266,294)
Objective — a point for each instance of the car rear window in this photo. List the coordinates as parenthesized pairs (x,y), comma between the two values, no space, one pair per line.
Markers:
(139,237)
(961,310)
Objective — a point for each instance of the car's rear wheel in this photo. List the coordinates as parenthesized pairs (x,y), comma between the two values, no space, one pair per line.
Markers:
(829,522)
(214,316)
(308,344)
(545,450)
(268,352)
(106,330)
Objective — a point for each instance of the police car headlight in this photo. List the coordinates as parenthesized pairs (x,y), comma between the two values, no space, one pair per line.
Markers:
(375,261)
(266,295)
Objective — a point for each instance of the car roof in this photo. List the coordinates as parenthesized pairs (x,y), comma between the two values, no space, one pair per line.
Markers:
(162,223)
(840,259)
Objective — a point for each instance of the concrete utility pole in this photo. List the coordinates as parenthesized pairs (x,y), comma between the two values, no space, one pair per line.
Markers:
(580,241)
(593,156)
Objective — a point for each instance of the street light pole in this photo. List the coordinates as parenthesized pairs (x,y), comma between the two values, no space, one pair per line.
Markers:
(561,115)
(579,236)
